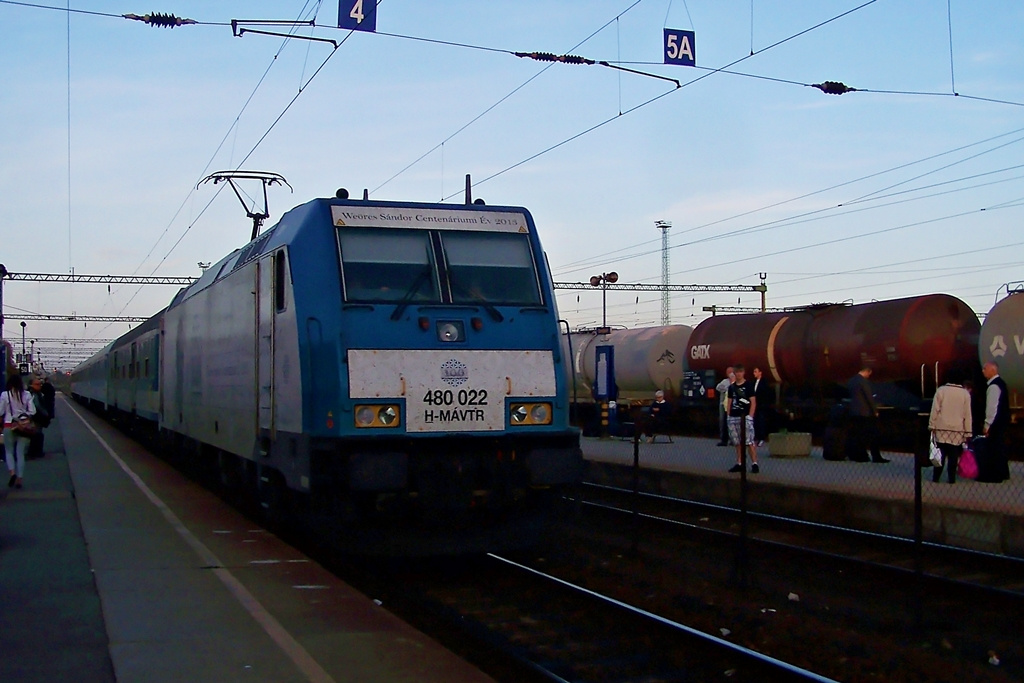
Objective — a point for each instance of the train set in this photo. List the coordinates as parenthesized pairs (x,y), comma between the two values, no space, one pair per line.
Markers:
(383,364)
(810,353)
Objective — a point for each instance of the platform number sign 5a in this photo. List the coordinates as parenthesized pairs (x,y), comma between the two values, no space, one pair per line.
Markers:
(680,47)
(358,15)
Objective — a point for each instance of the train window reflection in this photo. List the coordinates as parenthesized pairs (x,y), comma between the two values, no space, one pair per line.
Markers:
(494,267)
(388,265)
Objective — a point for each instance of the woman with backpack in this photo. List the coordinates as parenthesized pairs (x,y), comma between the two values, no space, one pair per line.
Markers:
(16,409)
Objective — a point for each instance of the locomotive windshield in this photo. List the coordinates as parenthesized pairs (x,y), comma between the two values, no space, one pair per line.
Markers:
(389,265)
(472,267)
(492,267)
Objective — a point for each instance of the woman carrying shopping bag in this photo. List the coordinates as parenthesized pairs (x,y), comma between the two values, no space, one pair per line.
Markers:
(16,409)
(950,423)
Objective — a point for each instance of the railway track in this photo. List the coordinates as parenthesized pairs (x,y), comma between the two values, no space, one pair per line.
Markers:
(559,631)
(937,564)
(520,626)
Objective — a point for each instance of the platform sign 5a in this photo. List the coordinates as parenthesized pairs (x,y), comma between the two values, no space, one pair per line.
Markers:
(358,15)
(680,47)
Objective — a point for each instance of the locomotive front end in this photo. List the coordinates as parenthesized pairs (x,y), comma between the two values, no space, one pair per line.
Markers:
(453,391)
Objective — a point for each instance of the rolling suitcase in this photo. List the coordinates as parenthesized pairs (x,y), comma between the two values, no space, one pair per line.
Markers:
(991,468)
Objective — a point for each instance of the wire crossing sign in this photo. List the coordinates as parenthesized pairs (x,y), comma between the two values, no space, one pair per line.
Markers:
(680,47)
(358,15)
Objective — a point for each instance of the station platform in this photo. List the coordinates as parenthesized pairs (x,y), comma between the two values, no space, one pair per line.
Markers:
(875,497)
(115,567)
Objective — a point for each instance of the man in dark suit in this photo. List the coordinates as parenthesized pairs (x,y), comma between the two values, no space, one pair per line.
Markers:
(997,416)
(863,418)
(763,394)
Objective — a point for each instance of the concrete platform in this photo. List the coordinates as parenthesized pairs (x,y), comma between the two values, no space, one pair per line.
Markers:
(869,496)
(116,568)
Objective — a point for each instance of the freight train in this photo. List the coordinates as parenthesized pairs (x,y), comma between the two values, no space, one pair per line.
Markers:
(392,366)
(810,353)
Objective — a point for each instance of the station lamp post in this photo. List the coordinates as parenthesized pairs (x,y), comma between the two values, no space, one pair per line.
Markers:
(23,365)
(602,281)
(604,355)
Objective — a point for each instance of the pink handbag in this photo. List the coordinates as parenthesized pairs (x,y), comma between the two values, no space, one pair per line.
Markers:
(968,466)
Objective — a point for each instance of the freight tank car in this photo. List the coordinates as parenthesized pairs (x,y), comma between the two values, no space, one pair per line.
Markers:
(909,343)
(1002,341)
(382,363)
(646,359)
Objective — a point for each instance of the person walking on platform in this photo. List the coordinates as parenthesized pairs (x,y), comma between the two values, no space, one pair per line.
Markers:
(15,402)
(658,413)
(723,416)
(763,394)
(863,418)
(742,406)
(41,417)
(950,424)
(997,419)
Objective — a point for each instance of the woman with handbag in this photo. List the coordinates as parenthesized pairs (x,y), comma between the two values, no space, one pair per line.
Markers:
(16,409)
(950,423)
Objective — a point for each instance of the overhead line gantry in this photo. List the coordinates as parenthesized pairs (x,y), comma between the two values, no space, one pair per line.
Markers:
(646,287)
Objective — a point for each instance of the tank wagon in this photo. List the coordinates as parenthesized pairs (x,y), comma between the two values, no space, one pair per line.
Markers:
(909,343)
(1002,341)
(379,362)
(809,354)
(646,359)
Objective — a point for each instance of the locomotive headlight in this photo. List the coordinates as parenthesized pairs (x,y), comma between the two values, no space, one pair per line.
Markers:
(365,416)
(450,331)
(530,413)
(387,415)
(377,416)
(540,414)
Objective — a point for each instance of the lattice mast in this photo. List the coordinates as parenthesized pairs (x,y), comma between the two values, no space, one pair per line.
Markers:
(666,313)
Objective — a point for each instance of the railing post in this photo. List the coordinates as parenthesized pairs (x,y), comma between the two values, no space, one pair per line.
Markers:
(636,487)
(920,446)
(742,560)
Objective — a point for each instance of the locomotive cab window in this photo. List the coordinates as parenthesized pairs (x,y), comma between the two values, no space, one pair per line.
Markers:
(388,266)
(496,268)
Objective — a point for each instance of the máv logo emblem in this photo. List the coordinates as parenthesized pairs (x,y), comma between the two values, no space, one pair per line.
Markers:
(454,373)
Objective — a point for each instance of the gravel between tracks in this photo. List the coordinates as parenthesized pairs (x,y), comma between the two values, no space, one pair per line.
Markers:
(849,624)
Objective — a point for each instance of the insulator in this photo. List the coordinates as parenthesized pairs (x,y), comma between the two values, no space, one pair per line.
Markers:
(575,59)
(539,56)
(833,88)
(549,57)
(159,19)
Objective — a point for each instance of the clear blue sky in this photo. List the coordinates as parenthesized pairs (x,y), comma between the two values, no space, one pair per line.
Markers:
(109,124)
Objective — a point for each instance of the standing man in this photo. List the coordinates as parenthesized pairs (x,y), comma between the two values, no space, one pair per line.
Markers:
(49,397)
(997,416)
(763,394)
(863,418)
(723,391)
(741,405)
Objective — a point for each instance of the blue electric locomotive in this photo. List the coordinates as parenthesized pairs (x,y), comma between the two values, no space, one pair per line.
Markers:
(381,363)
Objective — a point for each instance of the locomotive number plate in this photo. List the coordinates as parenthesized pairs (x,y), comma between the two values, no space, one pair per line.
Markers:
(447,391)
